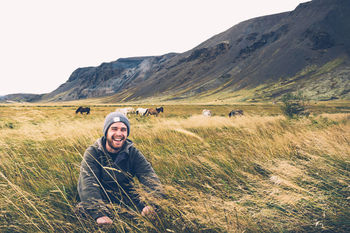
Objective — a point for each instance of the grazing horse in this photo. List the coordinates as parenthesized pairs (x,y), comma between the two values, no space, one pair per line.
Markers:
(141,111)
(82,110)
(160,109)
(206,113)
(125,111)
(235,113)
(152,111)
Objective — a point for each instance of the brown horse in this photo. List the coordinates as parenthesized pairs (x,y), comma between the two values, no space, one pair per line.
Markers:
(152,111)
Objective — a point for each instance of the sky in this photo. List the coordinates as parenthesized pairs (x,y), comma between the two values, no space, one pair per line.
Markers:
(43,41)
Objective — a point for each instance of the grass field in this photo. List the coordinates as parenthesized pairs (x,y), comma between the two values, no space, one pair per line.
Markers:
(259,172)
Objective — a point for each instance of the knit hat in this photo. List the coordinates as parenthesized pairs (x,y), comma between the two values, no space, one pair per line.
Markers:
(115,117)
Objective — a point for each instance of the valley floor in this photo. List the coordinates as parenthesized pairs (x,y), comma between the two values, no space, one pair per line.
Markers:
(260,172)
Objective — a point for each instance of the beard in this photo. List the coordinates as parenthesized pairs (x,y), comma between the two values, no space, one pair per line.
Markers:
(115,145)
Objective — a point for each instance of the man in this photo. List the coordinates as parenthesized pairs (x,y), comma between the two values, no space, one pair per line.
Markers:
(107,172)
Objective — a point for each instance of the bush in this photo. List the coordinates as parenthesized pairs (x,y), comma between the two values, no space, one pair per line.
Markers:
(293,105)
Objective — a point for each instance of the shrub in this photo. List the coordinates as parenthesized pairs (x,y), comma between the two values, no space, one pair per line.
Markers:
(293,105)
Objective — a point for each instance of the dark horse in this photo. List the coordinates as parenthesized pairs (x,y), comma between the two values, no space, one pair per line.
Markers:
(152,111)
(82,110)
(235,113)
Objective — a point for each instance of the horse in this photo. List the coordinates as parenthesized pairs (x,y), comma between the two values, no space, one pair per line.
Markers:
(152,111)
(82,110)
(141,111)
(160,109)
(206,113)
(126,110)
(236,113)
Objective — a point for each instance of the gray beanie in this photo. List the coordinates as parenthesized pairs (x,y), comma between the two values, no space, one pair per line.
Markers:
(115,117)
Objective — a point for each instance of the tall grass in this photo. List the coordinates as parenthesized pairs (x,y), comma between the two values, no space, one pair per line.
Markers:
(255,173)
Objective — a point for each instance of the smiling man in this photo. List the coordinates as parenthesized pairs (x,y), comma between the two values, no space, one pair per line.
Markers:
(107,172)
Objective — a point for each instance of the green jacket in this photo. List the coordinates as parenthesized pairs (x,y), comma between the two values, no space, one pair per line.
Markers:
(108,178)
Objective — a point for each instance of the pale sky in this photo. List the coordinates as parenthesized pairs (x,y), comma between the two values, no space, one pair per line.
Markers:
(43,41)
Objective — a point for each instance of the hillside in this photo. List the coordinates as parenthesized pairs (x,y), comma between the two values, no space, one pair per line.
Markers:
(259,59)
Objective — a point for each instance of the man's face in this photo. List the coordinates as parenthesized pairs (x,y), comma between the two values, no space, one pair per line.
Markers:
(116,136)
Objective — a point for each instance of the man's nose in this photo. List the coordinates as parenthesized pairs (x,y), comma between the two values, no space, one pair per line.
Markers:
(119,132)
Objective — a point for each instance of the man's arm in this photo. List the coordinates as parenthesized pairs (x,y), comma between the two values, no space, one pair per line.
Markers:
(89,186)
(146,174)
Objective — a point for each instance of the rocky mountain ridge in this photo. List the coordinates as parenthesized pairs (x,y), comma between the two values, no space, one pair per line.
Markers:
(303,50)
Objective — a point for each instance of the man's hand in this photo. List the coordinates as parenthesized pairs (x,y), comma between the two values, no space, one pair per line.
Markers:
(148,211)
(104,221)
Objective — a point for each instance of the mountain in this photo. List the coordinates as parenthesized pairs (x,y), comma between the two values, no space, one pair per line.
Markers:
(21,97)
(259,59)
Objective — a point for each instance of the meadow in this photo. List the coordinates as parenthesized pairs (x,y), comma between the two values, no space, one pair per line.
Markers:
(260,172)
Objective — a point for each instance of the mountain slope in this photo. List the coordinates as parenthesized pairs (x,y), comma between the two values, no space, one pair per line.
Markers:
(304,50)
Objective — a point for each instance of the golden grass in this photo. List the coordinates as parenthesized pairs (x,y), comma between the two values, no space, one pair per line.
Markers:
(254,173)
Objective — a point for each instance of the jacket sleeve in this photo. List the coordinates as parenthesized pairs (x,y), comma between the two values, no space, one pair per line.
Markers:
(145,173)
(89,186)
